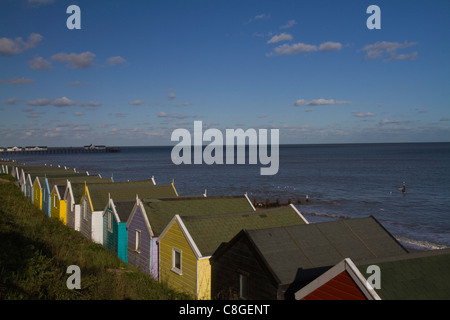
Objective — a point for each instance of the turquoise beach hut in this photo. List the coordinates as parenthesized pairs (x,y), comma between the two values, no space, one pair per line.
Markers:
(115,236)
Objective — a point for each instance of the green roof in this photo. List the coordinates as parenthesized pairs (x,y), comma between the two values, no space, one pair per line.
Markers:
(124,208)
(60,180)
(76,179)
(41,170)
(100,193)
(66,174)
(78,186)
(209,232)
(160,212)
(324,244)
(423,275)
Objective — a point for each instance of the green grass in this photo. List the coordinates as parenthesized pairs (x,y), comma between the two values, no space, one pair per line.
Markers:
(35,252)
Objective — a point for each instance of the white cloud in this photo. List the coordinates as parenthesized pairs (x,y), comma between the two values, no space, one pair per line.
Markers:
(330,46)
(136,102)
(35,115)
(299,102)
(39,63)
(279,38)
(289,24)
(388,50)
(90,104)
(258,34)
(39,102)
(115,60)
(20,81)
(75,60)
(410,56)
(171,96)
(12,101)
(262,16)
(319,102)
(184,104)
(163,114)
(363,115)
(9,47)
(291,49)
(387,122)
(61,102)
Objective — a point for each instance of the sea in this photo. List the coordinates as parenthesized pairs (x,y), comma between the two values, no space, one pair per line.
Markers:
(325,182)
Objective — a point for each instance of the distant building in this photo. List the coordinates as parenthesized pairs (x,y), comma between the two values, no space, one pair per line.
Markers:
(92,147)
(9,149)
(36,148)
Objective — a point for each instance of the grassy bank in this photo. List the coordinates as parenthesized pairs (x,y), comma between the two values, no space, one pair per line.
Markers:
(35,252)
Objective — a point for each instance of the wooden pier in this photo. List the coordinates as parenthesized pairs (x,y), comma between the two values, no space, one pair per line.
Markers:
(59,150)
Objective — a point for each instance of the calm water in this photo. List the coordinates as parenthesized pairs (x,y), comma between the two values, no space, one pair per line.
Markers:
(341,181)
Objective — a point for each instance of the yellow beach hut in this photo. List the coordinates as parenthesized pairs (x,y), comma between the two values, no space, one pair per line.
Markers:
(188,243)
(58,209)
(37,192)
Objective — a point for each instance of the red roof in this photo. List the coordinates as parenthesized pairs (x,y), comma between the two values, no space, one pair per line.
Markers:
(340,287)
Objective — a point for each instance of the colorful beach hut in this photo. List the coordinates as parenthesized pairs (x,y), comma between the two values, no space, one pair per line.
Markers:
(188,242)
(58,207)
(115,234)
(151,216)
(95,199)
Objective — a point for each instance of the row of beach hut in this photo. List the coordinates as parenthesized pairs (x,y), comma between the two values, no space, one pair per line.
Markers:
(223,247)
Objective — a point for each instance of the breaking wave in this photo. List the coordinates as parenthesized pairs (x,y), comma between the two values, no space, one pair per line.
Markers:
(326,215)
(420,244)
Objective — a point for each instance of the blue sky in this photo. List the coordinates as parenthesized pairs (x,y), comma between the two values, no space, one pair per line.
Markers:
(137,70)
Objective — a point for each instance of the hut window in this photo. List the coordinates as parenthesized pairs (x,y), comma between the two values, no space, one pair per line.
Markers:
(243,286)
(110,226)
(176,260)
(54,201)
(138,241)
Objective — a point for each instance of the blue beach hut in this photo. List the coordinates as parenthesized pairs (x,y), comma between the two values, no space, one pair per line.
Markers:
(46,199)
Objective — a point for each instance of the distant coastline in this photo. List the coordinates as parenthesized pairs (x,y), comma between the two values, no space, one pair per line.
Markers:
(100,147)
